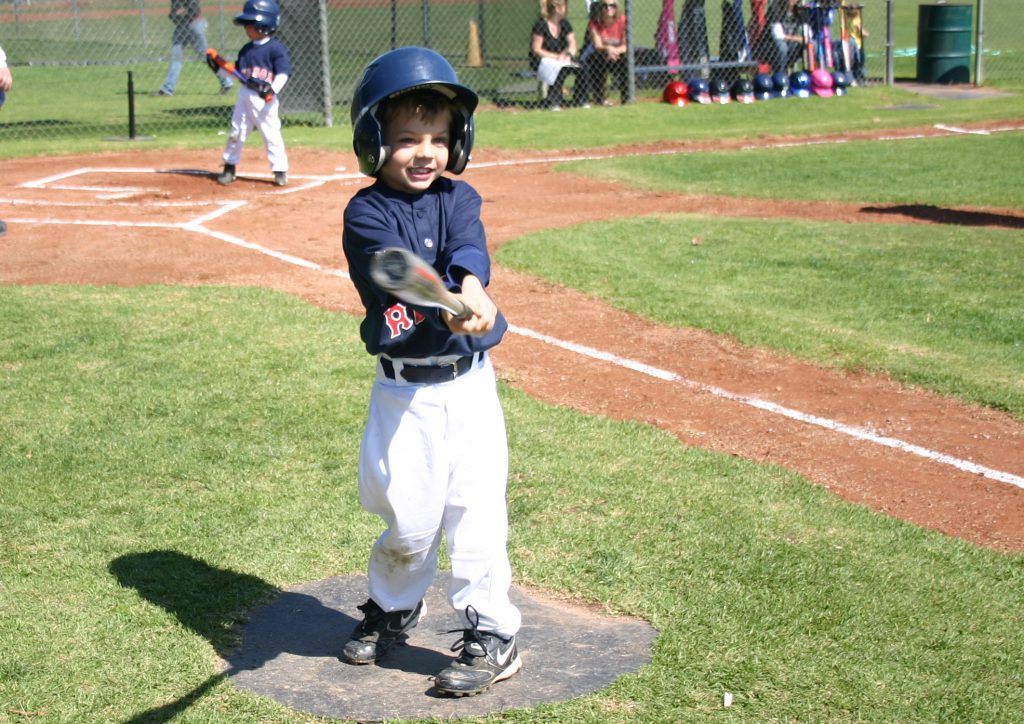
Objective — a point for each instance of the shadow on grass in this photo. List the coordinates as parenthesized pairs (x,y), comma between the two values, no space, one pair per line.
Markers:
(213,603)
(956,217)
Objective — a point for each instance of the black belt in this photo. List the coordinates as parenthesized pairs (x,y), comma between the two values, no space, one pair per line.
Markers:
(428,373)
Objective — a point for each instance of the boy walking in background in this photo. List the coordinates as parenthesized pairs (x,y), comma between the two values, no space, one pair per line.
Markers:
(434,454)
(189,30)
(265,64)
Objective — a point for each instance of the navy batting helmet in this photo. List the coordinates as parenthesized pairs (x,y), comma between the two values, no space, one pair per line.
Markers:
(780,84)
(400,71)
(841,82)
(699,90)
(743,91)
(800,84)
(719,91)
(264,14)
(762,86)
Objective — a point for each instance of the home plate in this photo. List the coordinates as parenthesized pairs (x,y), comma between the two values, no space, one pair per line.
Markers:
(290,648)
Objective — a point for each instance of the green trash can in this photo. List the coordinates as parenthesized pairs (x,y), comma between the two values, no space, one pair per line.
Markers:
(944,43)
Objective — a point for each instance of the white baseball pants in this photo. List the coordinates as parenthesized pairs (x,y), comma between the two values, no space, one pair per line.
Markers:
(433,461)
(251,111)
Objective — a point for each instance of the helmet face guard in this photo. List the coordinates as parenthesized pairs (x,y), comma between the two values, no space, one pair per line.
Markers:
(398,72)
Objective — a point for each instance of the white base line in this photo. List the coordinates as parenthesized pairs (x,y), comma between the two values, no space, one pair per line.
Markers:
(858,433)
(855,432)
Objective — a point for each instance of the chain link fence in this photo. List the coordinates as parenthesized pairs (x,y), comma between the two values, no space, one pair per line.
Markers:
(90,67)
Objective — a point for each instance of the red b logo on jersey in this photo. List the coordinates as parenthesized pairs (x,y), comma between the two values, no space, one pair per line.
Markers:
(398,320)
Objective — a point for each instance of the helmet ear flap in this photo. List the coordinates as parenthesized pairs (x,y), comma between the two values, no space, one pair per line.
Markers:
(368,143)
(462,144)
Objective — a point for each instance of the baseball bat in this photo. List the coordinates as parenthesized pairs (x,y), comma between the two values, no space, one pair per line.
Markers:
(230,68)
(403,274)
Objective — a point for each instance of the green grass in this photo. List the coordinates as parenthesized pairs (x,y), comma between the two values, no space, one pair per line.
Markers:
(933,306)
(951,172)
(153,436)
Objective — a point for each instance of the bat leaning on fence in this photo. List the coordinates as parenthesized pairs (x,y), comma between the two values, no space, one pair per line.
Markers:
(403,274)
(216,61)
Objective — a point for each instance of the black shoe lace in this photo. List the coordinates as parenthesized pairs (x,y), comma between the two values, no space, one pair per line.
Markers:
(469,634)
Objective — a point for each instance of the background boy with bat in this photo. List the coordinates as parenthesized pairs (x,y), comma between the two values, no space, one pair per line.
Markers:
(5,85)
(263,66)
(434,455)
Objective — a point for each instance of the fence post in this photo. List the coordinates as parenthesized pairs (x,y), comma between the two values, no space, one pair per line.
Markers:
(630,55)
(979,46)
(425,7)
(889,30)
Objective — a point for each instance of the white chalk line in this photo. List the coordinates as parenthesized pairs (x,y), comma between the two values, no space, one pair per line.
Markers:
(767,406)
(640,367)
(748,147)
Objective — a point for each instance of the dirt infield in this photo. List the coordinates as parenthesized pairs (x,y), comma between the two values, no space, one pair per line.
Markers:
(158,217)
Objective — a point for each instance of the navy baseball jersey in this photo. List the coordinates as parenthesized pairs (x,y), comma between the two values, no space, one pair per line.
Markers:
(442,225)
(264,60)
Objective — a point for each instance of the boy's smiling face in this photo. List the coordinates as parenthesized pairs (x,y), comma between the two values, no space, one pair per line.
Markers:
(419,148)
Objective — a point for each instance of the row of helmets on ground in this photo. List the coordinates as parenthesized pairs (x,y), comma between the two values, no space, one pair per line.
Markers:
(799,84)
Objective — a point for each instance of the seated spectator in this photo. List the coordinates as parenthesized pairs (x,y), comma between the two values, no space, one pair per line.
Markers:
(785,28)
(553,42)
(607,34)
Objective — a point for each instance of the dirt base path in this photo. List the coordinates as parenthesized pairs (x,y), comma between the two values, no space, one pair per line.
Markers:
(158,217)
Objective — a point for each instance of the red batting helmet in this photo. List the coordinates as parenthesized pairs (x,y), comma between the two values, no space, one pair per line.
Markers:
(676,94)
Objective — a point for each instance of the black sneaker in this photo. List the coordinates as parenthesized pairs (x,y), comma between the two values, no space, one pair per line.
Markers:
(280,178)
(227,176)
(486,659)
(378,632)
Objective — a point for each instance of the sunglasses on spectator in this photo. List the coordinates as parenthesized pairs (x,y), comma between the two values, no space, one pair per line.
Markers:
(606,6)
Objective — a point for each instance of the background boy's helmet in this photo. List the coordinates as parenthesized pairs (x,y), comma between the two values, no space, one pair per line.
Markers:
(800,84)
(264,14)
(699,90)
(763,86)
(399,71)
(841,82)
(719,91)
(675,93)
(780,84)
(821,83)
(743,91)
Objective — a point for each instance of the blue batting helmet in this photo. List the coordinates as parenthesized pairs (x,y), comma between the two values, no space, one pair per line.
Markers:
(719,91)
(742,91)
(264,14)
(780,84)
(763,86)
(800,84)
(400,71)
(700,91)
(841,81)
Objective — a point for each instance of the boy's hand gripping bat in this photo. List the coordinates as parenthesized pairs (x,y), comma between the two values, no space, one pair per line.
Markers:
(216,61)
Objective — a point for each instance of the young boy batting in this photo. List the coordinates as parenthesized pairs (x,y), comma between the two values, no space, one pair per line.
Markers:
(264,63)
(434,454)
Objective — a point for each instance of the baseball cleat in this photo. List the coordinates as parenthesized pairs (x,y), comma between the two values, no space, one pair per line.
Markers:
(227,176)
(486,659)
(378,632)
(280,178)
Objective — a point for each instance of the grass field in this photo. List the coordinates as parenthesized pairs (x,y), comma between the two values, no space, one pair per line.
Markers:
(212,433)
